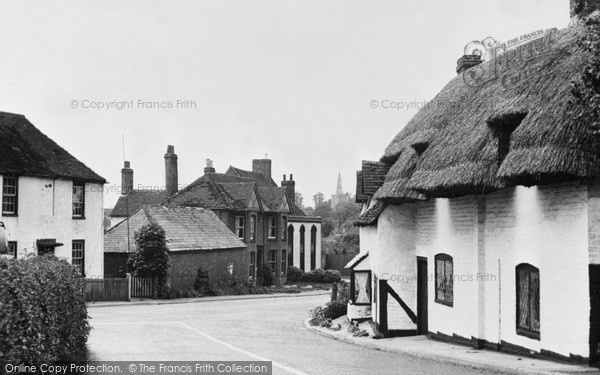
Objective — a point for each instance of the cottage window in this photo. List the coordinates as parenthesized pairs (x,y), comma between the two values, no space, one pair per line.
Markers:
(283,262)
(12,248)
(78,255)
(360,287)
(503,126)
(444,279)
(273,261)
(283,228)
(78,201)
(253,265)
(239,226)
(528,301)
(9,195)
(273,227)
(252,227)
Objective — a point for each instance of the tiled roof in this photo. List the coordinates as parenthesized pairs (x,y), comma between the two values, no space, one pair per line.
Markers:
(369,217)
(136,199)
(295,210)
(274,199)
(186,229)
(360,195)
(261,180)
(27,151)
(373,176)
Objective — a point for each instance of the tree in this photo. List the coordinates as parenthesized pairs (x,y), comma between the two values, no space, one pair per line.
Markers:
(345,211)
(327,227)
(299,200)
(318,199)
(151,259)
(348,243)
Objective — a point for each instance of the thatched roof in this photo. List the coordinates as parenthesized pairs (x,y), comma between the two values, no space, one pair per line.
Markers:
(370,216)
(451,147)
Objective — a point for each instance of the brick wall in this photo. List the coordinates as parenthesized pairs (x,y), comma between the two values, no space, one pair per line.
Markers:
(184,266)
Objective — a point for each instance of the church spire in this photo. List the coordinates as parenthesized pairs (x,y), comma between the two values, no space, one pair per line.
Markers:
(339,190)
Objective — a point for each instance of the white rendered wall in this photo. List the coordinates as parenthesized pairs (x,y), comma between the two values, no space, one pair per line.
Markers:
(45,211)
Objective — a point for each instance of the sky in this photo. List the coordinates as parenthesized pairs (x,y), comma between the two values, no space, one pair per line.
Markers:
(308,83)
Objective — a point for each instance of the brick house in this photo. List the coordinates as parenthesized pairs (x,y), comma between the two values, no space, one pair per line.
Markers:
(482,217)
(195,238)
(262,214)
(51,202)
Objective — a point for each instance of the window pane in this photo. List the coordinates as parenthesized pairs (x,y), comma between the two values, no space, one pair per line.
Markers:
(439,279)
(523,281)
(361,294)
(534,303)
(449,281)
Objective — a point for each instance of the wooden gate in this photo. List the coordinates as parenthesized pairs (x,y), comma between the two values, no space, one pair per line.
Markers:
(143,287)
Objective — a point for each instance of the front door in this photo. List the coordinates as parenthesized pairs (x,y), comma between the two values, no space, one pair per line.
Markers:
(260,256)
(421,296)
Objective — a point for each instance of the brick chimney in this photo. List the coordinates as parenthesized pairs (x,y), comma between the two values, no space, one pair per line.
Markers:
(583,8)
(262,166)
(290,187)
(126,179)
(171,179)
(466,62)
(209,167)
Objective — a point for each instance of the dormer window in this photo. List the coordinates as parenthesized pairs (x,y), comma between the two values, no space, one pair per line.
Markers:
(420,147)
(503,126)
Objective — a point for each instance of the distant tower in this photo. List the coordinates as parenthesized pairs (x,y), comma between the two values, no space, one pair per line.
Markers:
(339,190)
(340,196)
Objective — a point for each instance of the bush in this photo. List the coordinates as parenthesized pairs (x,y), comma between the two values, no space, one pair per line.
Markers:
(265,276)
(294,274)
(332,276)
(332,310)
(314,276)
(203,285)
(43,315)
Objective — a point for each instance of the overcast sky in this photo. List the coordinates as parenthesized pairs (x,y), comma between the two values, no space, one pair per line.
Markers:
(291,79)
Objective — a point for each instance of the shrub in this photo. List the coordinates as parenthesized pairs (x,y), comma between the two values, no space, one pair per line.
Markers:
(265,276)
(314,276)
(294,274)
(152,256)
(43,315)
(332,276)
(203,285)
(332,310)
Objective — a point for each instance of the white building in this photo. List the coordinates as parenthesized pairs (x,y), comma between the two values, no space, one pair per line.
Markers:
(482,218)
(51,202)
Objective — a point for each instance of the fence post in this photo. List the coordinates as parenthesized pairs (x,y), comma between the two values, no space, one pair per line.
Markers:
(128,286)
(334,292)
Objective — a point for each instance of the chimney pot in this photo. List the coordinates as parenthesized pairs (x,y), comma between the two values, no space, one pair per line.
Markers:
(283,177)
(291,177)
(290,187)
(126,178)
(171,178)
(209,167)
(466,62)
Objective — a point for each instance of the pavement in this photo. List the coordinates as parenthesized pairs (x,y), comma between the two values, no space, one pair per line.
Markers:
(148,301)
(425,348)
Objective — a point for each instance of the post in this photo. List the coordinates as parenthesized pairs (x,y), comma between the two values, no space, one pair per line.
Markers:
(334,292)
(383,320)
(128,286)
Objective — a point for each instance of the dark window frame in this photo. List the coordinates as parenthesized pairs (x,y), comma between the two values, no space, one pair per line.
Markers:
(82,203)
(15,211)
(253,265)
(272,228)
(82,258)
(447,283)
(284,262)
(252,228)
(353,287)
(528,331)
(284,228)
(240,226)
(14,246)
(272,262)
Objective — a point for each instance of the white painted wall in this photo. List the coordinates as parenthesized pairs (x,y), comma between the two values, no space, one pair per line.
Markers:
(45,211)
(488,237)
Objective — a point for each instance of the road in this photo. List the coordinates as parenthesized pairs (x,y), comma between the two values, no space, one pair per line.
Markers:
(242,330)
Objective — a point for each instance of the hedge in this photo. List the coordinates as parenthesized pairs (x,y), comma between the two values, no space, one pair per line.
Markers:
(43,315)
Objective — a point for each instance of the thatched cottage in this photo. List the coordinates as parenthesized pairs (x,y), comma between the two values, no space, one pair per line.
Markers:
(482,217)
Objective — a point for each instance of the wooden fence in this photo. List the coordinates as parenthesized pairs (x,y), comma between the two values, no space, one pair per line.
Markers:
(119,289)
(109,289)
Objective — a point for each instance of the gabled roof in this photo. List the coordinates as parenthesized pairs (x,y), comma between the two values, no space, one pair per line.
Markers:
(186,229)
(27,151)
(450,147)
(136,199)
(261,179)
(373,175)
(356,260)
(274,199)
(370,216)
